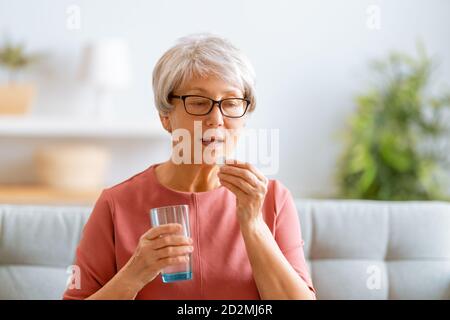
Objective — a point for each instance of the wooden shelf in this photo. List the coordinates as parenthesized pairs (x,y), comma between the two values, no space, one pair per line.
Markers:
(33,126)
(35,194)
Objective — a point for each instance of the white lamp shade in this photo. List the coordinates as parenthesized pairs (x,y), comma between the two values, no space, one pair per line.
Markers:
(106,64)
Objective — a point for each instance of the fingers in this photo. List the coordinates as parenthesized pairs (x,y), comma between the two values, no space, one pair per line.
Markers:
(171,261)
(240,173)
(249,166)
(158,231)
(237,182)
(170,240)
(245,177)
(233,188)
(174,251)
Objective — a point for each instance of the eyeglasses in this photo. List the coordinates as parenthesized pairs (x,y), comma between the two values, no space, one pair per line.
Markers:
(200,106)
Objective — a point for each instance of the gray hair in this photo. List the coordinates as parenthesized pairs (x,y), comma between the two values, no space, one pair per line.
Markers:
(201,55)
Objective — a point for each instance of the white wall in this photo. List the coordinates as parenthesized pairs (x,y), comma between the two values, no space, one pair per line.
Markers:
(310,58)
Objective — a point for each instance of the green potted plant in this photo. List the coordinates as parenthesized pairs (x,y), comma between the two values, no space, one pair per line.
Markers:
(15,98)
(395,145)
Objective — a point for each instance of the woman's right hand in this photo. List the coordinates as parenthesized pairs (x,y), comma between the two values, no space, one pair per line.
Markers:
(160,247)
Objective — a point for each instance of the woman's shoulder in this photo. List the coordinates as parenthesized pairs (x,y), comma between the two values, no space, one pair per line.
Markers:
(277,188)
(277,193)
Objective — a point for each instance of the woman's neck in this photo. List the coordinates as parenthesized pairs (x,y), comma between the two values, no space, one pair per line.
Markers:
(188,177)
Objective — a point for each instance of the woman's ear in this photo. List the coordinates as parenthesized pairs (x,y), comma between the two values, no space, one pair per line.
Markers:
(165,120)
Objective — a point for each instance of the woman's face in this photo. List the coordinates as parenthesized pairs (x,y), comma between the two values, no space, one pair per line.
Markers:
(212,135)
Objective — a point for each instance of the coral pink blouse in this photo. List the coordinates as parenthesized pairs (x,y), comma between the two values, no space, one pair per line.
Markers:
(221,268)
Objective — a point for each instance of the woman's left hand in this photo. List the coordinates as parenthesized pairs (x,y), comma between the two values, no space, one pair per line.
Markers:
(250,187)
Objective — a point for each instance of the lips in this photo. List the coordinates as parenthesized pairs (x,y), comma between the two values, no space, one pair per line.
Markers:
(212,140)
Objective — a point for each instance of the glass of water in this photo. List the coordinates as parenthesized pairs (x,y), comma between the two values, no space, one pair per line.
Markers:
(174,214)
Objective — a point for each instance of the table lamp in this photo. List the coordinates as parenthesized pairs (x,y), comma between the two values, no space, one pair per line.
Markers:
(105,66)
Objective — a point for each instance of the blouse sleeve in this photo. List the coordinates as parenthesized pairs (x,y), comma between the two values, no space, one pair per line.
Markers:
(288,233)
(95,262)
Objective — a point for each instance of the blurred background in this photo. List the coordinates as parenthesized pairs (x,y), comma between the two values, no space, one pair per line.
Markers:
(359,91)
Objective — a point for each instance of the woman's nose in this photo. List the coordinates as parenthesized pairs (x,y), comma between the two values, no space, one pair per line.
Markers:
(215,117)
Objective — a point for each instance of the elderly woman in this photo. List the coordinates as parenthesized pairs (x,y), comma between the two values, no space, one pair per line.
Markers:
(246,241)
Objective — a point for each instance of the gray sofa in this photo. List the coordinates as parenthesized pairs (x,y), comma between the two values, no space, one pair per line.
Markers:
(355,249)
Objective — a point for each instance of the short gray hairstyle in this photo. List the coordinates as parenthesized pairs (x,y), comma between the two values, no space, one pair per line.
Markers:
(201,55)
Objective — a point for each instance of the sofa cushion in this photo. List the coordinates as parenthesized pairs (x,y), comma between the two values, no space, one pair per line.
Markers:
(350,279)
(32,282)
(40,235)
(377,249)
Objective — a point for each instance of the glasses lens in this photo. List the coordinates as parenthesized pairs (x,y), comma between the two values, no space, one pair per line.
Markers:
(233,107)
(197,105)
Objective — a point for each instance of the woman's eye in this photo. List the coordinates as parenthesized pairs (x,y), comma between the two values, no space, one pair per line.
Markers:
(231,104)
(200,104)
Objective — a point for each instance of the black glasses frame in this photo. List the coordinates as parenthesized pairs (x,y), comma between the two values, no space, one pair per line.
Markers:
(219,103)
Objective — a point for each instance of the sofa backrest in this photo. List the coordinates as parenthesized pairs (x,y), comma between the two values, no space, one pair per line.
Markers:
(377,250)
(37,248)
(354,249)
